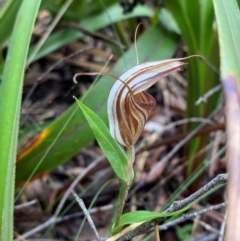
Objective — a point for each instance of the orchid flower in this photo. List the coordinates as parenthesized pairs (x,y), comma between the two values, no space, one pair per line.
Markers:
(128,105)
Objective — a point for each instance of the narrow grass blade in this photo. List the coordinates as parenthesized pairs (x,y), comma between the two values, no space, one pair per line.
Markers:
(7,18)
(10,100)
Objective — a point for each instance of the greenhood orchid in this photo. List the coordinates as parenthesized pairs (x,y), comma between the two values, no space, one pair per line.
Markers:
(129,105)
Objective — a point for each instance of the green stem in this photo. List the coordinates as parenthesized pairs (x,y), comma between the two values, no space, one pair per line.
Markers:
(122,203)
(131,157)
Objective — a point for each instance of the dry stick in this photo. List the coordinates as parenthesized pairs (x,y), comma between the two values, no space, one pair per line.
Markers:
(191,216)
(63,200)
(87,215)
(27,204)
(187,120)
(80,214)
(208,94)
(177,205)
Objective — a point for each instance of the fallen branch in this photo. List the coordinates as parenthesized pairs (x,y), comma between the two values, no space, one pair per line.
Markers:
(136,229)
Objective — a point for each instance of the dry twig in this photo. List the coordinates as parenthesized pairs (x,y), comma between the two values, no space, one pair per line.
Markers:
(177,205)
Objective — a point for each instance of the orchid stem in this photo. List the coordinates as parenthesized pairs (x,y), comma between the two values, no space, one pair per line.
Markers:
(131,157)
(122,203)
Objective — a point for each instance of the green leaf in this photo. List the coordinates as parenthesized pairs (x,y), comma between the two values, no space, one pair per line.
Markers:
(10,102)
(7,18)
(143,216)
(227,16)
(112,150)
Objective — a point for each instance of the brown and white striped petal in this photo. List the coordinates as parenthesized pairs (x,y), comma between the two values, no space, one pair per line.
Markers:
(128,106)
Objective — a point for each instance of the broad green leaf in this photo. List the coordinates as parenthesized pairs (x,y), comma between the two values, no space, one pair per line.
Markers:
(112,150)
(10,99)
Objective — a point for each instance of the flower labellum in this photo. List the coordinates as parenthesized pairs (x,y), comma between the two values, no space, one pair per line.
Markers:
(128,105)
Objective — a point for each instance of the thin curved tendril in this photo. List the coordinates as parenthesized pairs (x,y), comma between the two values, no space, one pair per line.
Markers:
(101,74)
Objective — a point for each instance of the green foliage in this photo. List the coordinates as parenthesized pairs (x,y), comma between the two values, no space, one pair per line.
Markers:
(7,18)
(10,99)
(196,22)
(114,153)
(229,38)
(184,232)
(143,216)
